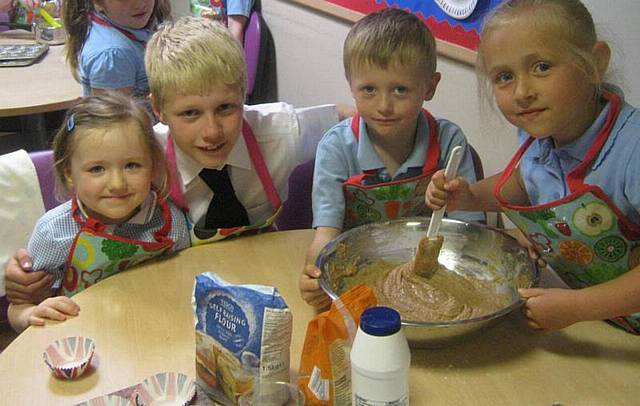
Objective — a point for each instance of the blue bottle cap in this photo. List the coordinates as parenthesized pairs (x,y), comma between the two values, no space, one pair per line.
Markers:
(380,321)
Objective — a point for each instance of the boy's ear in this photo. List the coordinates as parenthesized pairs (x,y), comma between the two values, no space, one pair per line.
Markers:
(432,85)
(602,56)
(156,108)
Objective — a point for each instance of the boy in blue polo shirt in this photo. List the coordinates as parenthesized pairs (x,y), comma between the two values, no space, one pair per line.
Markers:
(377,165)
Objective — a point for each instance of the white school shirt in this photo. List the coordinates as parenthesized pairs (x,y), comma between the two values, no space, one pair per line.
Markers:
(286,136)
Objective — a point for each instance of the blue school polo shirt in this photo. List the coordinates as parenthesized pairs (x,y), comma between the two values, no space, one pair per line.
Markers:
(340,156)
(110,60)
(239,7)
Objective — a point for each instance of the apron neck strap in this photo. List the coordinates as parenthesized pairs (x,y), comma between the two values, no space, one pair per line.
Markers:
(98,20)
(260,166)
(433,151)
(98,226)
(175,191)
(257,161)
(575,178)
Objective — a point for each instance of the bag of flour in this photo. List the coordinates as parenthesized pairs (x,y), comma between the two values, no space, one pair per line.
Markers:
(243,334)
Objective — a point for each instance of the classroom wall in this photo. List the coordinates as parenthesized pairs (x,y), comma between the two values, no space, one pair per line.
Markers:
(309,64)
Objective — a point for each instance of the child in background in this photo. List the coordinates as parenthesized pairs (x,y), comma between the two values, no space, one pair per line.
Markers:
(572,187)
(107,156)
(106,42)
(233,13)
(376,166)
(238,12)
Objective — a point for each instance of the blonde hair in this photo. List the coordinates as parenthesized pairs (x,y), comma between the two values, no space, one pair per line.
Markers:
(569,20)
(101,112)
(387,36)
(190,56)
(76,18)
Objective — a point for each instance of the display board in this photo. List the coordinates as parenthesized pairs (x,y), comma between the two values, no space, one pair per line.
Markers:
(455,23)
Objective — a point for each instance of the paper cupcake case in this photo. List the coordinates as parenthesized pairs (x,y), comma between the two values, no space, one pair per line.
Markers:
(165,388)
(69,357)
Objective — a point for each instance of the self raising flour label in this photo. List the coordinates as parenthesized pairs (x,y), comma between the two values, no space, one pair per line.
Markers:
(243,333)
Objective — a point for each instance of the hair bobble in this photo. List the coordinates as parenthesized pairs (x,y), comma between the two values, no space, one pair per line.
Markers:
(71,123)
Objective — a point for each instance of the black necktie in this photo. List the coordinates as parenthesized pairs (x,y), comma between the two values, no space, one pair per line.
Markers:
(225,210)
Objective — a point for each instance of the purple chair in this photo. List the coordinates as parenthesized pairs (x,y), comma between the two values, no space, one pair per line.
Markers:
(4,21)
(43,161)
(252,34)
(296,211)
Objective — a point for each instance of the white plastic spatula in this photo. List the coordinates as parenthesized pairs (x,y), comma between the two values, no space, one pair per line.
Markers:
(425,263)
(449,173)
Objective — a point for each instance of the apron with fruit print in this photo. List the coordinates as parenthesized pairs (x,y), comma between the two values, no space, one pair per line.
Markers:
(390,200)
(96,254)
(200,235)
(584,237)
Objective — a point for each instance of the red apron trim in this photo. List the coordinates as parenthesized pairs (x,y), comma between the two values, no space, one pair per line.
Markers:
(575,179)
(124,32)
(432,154)
(356,180)
(96,227)
(260,166)
(175,190)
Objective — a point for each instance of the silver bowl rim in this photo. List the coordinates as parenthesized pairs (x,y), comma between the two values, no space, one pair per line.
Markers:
(433,324)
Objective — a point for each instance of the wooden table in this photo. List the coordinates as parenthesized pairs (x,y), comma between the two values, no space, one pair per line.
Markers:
(28,91)
(142,323)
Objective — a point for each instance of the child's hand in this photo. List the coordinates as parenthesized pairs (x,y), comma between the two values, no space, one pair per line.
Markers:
(524,241)
(550,309)
(21,284)
(310,290)
(53,308)
(454,193)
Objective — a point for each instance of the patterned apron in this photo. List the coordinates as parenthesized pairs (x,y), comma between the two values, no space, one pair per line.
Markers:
(96,254)
(201,236)
(584,237)
(390,200)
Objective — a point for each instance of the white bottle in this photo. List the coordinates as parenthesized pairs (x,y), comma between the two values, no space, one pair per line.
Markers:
(380,360)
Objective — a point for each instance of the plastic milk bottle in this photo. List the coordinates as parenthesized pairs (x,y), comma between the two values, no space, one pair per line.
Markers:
(380,360)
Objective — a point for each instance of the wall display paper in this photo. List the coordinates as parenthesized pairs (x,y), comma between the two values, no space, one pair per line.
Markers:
(455,23)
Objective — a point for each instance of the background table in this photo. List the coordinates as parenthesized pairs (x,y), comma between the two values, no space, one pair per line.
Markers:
(142,323)
(28,91)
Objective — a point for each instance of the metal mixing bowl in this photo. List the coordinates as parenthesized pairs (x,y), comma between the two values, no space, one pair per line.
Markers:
(469,249)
